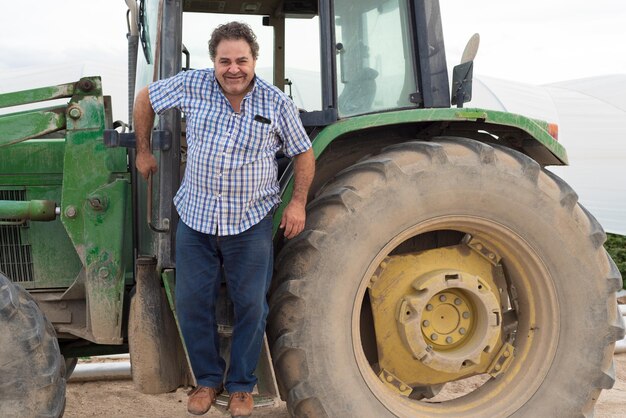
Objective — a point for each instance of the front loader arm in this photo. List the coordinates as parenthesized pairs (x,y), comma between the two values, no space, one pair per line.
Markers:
(94,189)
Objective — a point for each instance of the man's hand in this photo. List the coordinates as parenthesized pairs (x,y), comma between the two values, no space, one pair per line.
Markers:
(294,215)
(293,219)
(146,164)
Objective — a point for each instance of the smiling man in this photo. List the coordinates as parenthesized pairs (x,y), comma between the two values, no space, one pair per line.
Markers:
(236,122)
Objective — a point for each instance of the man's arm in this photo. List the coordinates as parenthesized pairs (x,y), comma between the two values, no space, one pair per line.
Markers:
(294,215)
(143,116)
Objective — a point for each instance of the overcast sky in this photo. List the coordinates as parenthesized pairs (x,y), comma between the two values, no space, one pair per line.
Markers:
(534,41)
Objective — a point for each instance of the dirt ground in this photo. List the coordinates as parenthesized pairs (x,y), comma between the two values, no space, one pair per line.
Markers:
(119,399)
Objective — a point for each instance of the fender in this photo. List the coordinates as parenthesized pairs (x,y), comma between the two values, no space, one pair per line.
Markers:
(530,136)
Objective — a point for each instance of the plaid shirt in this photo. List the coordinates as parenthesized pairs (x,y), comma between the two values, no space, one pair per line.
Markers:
(230,182)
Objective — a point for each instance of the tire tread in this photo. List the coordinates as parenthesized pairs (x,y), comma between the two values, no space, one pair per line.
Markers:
(340,197)
(33,384)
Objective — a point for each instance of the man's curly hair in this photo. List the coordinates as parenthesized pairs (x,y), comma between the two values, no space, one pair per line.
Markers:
(233,31)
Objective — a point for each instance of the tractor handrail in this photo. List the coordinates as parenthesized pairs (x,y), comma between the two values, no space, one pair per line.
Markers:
(151,224)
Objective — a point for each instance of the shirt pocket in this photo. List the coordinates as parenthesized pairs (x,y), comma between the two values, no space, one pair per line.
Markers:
(261,139)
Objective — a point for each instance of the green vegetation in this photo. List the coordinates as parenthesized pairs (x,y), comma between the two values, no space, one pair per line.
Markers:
(616,246)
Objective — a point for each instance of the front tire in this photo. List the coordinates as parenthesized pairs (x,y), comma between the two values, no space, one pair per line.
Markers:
(32,370)
(421,196)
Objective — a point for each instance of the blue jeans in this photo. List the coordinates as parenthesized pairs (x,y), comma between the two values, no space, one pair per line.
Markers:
(248,260)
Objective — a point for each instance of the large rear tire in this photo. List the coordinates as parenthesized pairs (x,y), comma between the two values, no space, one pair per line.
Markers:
(32,370)
(418,196)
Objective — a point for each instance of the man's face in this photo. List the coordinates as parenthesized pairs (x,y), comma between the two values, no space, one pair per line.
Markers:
(234,66)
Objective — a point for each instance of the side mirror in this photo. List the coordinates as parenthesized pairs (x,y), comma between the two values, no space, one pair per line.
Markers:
(462,74)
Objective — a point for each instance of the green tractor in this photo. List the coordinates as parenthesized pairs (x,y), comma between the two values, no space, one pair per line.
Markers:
(443,271)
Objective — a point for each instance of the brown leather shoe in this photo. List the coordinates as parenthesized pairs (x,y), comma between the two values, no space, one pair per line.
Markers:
(201,398)
(240,404)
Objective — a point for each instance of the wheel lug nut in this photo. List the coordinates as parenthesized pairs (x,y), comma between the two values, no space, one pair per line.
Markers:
(462,331)
(442,298)
(449,340)
(466,314)
(457,301)
(429,307)
(433,336)
(426,323)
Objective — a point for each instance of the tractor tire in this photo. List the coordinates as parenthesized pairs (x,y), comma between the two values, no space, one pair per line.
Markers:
(32,370)
(412,195)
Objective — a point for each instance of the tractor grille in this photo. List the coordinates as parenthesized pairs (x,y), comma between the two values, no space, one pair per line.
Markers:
(16,261)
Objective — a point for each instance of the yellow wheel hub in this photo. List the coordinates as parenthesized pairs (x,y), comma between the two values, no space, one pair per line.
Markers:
(452,319)
(437,315)
(447,319)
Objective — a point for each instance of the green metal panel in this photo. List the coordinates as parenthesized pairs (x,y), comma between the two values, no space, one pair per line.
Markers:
(20,127)
(536,129)
(55,262)
(41,158)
